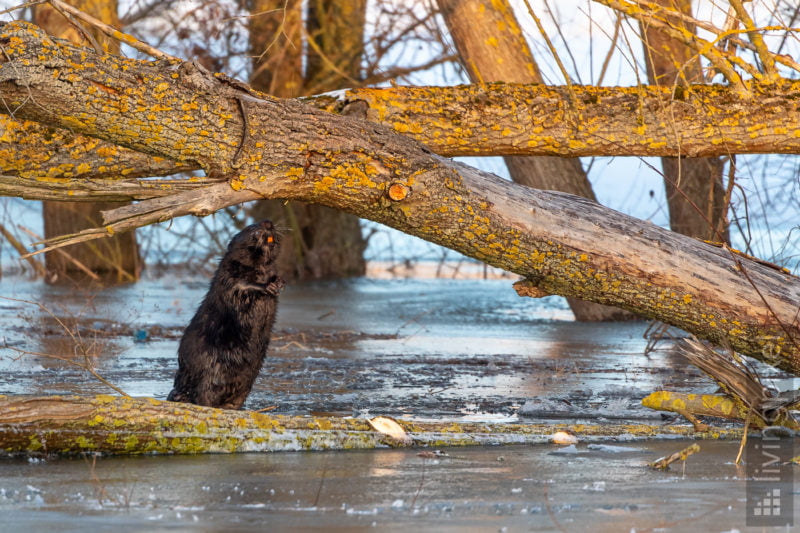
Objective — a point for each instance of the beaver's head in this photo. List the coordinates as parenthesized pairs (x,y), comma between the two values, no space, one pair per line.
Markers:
(257,244)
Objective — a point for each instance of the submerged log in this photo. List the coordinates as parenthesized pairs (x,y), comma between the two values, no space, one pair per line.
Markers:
(714,405)
(124,425)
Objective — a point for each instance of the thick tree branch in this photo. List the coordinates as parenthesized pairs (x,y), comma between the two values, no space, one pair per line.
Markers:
(282,148)
(40,156)
(509,119)
(493,119)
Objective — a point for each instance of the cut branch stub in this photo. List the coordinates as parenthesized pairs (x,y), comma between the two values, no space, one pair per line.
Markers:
(398,191)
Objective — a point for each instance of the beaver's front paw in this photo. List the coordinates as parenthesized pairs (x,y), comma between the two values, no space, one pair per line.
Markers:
(274,287)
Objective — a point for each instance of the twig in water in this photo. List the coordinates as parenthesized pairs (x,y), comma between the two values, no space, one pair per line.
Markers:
(664,462)
(79,345)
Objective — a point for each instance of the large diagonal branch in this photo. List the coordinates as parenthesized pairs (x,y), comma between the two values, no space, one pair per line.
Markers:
(282,148)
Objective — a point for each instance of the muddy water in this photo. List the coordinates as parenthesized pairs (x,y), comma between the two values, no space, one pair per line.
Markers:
(466,349)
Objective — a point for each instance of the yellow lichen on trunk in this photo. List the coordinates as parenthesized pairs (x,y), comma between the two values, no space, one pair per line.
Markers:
(513,119)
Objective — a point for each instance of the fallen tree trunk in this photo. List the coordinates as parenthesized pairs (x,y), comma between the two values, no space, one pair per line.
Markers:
(269,148)
(121,425)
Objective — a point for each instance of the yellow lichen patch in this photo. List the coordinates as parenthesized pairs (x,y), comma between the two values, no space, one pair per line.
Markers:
(324,184)
(718,403)
(104,399)
(107,152)
(295,172)
(84,443)
(656,399)
(98,419)
(352,175)
(34,444)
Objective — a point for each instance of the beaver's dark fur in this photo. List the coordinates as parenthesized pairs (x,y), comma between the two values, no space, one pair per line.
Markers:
(223,347)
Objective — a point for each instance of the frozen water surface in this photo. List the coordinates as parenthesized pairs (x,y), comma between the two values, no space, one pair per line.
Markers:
(426,349)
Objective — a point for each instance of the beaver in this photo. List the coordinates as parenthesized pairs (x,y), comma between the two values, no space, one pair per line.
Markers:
(224,346)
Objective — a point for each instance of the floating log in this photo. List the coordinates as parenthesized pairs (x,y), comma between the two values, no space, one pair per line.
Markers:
(123,425)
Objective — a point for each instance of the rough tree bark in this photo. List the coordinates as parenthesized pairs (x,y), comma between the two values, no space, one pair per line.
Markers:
(336,44)
(493,49)
(265,147)
(322,242)
(695,193)
(511,119)
(113,260)
(490,119)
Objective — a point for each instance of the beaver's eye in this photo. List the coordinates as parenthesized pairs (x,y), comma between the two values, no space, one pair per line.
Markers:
(270,239)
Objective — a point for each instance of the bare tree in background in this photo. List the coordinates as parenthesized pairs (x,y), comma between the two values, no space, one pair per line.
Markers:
(111,260)
(321,242)
(493,48)
(695,193)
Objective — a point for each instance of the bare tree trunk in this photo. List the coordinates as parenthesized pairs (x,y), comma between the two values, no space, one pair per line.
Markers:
(321,242)
(336,44)
(695,194)
(493,48)
(117,259)
(276,46)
